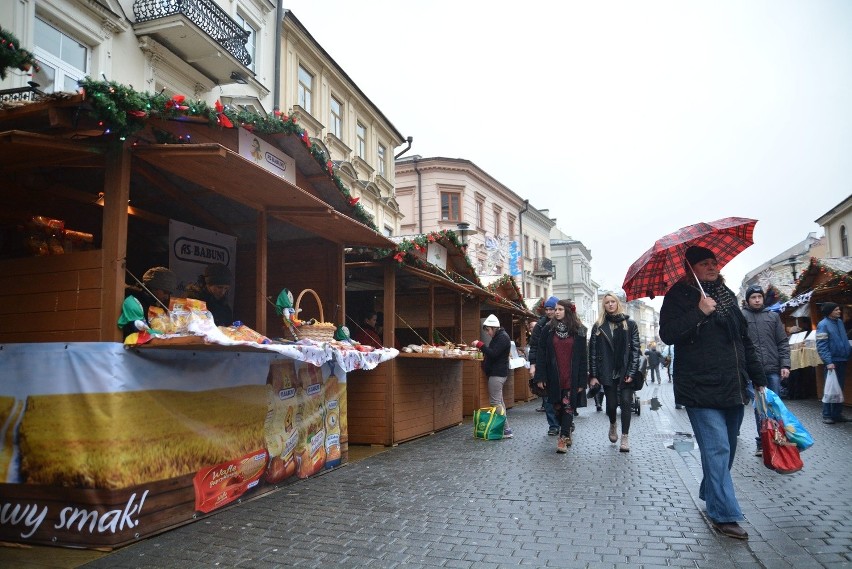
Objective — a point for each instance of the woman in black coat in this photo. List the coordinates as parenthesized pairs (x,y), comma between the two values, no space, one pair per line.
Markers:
(562,367)
(614,362)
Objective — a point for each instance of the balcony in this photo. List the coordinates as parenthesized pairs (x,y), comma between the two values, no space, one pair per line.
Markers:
(200,33)
(542,267)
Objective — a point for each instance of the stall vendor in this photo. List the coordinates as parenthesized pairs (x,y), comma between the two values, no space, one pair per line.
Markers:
(212,287)
(366,332)
(159,284)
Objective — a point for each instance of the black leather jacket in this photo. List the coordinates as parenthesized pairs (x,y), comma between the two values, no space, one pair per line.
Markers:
(601,357)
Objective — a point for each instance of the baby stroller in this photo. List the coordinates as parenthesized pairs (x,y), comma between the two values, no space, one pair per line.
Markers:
(636,407)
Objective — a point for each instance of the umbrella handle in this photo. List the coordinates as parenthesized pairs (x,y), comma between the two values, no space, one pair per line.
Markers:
(701,288)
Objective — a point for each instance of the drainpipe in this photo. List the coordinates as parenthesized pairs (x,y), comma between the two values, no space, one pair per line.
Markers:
(419,198)
(410,139)
(521,245)
(276,83)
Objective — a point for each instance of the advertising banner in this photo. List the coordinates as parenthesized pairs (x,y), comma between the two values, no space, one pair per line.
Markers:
(103,445)
(267,156)
(193,248)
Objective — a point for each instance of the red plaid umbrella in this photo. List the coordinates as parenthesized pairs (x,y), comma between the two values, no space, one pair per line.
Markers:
(664,264)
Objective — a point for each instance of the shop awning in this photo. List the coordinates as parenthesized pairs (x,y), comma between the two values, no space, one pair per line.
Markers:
(225,172)
(23,150)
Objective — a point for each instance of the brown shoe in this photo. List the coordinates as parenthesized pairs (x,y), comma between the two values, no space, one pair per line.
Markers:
(561,445)
(613,434)
(568,439)
(625,446)
(731,529)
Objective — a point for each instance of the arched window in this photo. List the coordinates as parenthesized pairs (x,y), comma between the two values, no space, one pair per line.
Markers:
(844,242)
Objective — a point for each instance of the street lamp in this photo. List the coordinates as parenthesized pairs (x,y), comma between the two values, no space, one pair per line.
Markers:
(463,230)
(792,262)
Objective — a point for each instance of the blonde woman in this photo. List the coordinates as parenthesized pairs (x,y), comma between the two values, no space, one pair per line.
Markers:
(614,362)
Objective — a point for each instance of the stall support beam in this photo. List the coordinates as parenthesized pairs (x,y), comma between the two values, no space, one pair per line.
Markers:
(261,265)
(389,339)
(431,338)
(114,241)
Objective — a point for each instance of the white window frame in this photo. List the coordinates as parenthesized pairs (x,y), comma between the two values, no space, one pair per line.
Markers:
(361,140)
(305,91)
(63,69)
(381,153)
(336,118)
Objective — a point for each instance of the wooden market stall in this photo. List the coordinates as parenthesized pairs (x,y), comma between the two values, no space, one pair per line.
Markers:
(824,280)
(507,288)
(423,305)
(87,202)
(501,298)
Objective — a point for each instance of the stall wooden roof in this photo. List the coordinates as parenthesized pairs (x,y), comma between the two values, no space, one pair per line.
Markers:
(225,172)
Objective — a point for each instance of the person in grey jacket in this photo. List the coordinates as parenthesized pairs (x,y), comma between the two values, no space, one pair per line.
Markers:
(770,342)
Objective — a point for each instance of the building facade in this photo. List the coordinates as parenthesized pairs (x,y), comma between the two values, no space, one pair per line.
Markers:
(837,223)
(503,233)
(243,53)
(572,269)
(782,270)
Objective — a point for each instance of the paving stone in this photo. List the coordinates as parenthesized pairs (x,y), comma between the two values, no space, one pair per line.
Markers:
(450,501)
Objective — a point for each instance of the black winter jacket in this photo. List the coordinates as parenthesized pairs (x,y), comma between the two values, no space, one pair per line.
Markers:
(770,341)
(711,370)
(495,361)
(547,372)
(536,334)
(602,360)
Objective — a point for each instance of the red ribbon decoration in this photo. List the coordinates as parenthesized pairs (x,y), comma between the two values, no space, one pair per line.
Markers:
(353,201)
(176,103)
(222,117)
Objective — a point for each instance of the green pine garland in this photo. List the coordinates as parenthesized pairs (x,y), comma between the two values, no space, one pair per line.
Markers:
(122,111)
(12,56)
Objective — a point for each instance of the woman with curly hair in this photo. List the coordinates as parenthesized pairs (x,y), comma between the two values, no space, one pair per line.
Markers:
(614,363)
(562,368)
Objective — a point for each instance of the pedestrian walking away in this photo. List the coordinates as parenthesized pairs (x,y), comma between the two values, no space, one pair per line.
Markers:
(771,344)
(546,406)
(495,364)
(834,350)
(614,362)
(715,358)
(562,367)
(655,358)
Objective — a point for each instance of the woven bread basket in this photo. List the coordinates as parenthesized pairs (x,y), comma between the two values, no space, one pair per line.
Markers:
(320,332)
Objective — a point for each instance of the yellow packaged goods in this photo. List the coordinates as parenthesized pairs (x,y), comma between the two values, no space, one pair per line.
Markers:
(160,320)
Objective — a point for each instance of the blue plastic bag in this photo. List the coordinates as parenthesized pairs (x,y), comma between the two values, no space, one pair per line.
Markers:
(796,432)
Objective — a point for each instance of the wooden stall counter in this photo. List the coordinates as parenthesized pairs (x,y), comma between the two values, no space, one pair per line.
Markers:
(411,396)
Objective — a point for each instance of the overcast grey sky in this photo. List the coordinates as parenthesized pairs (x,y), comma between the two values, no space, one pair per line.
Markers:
(627,120)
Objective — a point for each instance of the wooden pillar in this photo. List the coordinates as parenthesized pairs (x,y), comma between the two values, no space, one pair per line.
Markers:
(431,338)
(114,241)
(389,304)
(261,264)
(389,339)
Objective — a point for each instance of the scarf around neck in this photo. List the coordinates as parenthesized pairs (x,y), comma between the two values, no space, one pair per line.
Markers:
(726,303)
(561,329)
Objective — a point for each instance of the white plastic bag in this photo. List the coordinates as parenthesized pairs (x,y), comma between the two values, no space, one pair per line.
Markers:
(832,392)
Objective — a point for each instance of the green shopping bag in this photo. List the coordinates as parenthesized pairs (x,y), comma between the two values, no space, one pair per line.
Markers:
(488,424)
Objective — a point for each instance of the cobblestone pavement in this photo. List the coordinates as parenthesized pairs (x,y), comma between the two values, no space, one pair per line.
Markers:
(449,500)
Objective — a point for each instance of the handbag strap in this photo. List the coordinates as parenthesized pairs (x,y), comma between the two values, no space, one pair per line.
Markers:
(760,403)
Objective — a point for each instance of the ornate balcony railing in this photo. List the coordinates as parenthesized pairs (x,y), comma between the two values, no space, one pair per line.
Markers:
(542,267)
(11,97)
(206,15)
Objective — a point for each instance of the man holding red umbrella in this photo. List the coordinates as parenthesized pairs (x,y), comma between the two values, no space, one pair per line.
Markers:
(715,360)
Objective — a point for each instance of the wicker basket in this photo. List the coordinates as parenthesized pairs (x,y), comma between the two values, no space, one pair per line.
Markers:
(320,332)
